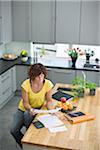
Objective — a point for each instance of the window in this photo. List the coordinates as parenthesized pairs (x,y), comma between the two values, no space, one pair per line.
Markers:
(96,50)
(61,48)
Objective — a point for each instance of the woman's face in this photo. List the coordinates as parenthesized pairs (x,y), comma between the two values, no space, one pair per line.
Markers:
(41,78)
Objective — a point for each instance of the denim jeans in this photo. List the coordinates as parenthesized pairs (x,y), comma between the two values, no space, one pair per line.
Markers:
(20,119)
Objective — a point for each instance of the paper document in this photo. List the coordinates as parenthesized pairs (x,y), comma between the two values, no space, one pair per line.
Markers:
(47,111)
(58,129)
(50,120)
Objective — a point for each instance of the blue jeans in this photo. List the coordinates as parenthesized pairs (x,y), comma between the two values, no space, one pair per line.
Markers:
(20,119)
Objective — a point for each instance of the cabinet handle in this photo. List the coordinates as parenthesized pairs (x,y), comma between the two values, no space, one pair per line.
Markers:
(5,74)
(49,69)
(6,91)
(5,79)
(63,71)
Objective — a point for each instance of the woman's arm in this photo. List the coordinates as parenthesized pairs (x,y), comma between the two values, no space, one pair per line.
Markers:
(50,103)
(26,102)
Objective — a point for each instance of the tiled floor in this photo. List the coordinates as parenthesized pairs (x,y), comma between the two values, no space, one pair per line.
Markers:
(6,114)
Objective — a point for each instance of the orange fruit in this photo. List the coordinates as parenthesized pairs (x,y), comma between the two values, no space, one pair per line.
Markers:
(59,104)
(65,107)
(70,106)
(67,103)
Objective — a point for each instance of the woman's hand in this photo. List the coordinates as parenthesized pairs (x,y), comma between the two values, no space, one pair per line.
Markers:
(50,103)
(31,111)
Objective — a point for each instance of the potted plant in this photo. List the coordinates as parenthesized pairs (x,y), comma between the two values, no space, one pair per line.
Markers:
(80,86)
(89,53)
(74,53)
(92,87)
(78,92)
(24,55)
(42,52)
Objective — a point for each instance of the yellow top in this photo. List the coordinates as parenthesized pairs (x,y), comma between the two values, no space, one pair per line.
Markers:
(36,100)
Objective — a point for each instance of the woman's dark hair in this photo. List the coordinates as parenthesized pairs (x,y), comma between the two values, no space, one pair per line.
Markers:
(36,69)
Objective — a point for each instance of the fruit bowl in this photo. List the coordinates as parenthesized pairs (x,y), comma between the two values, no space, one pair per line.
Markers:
(65,105)
(67,111)
(9,56)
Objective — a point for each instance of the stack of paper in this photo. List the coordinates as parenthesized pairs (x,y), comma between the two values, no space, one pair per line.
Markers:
(46,111)
(52,122)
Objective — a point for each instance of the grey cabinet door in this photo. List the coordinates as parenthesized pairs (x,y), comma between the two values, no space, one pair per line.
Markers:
(0,24)
(90,76)
(5,21)
(13,76)
(62,76)
(89,25)
(43,21)
(0,91)
(67,21)
(21,75)
(6,84)
(21,21)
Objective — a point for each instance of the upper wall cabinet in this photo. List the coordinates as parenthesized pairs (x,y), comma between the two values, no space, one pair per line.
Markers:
(0,24)
(5,21)
(89,23)
(56,21)
(21,21)
(33,21)
(67,21)
(43,21)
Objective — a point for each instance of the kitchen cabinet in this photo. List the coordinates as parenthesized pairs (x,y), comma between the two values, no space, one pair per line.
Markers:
(0,25)
(49,75)
(33,21)
(13,77)
(62,76)
(67,21)
(74,22)
(21,75)
(89,23)
(90,76)
(21,21)
(5,22)
(77,22)
(43,21)
(98,77)
(0,91)
(6,87)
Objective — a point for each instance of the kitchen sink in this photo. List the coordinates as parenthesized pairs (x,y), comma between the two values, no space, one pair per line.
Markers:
(87,65)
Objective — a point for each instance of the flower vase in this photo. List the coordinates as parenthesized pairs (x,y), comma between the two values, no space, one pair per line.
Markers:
(73,61)
(87,58)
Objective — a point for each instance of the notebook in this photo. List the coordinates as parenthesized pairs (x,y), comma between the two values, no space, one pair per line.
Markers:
(78,116)
(60,94)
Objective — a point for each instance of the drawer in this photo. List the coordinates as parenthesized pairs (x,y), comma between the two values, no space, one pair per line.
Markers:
(4,75)
(6,94)
(6,80)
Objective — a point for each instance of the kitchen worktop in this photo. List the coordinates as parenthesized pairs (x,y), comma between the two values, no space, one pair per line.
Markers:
(59,63)
(80,136)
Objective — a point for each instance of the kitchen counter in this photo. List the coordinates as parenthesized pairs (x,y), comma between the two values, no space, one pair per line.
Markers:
(80,136)
(59,63)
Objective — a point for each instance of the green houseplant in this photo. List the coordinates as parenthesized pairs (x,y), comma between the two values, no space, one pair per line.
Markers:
(92,87)
(74,53)
(79,91)
(89,53)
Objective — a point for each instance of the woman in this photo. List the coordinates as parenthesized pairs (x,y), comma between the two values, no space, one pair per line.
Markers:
(36,91)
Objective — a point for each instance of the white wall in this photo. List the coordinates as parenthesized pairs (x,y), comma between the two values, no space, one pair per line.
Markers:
(2,50)
(17,47)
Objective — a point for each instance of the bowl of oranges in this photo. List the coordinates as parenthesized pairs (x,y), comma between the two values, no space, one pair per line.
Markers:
(65,105)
